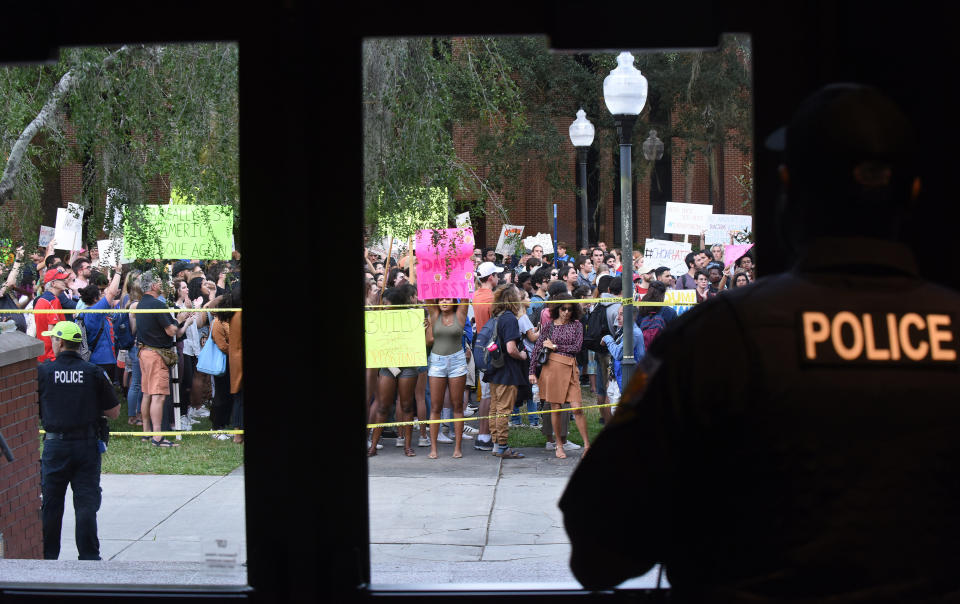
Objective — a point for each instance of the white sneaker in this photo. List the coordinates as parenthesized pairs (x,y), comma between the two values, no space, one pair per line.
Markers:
(466,436)
(399,442)
(228,437)
(570,446)
(369,442)
(424,441)
(468,411)
(551,446)
(469,430)
(443,438)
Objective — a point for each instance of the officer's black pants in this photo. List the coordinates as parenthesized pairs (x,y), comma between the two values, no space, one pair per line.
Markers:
(77,463)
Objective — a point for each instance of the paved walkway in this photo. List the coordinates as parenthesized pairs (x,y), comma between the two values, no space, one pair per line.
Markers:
(475,520)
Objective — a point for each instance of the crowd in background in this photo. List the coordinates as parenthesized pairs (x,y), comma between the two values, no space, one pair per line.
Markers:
(193,290)
(517,289)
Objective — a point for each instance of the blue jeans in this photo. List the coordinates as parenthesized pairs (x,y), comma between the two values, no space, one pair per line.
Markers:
(530,408)
(77,463)
(134,394)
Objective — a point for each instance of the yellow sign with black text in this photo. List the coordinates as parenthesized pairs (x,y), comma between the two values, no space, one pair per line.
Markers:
(395,338)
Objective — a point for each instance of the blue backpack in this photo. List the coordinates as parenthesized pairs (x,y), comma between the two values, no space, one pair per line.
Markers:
(484,359)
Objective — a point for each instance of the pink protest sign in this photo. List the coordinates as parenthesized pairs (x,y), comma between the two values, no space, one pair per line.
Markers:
(732,252)
(445,263)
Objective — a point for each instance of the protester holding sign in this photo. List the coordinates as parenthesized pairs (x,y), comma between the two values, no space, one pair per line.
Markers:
(394,379)
(447,366)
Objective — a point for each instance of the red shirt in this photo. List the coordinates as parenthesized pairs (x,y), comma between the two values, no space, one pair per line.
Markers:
(44,322)
(482,306)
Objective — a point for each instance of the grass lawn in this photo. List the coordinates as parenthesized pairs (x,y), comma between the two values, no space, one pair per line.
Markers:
(197,454)
(525,436)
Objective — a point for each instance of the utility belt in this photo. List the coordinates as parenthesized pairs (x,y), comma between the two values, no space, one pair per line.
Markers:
(88,432)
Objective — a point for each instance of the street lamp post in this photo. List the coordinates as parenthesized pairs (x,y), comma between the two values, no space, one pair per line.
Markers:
(625,94)
(581,135)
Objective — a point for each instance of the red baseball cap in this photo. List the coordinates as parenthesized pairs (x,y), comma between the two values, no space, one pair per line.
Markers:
(54,273)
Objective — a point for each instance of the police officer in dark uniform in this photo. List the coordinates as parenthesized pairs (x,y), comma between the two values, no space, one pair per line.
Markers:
(821,462)
(74,395)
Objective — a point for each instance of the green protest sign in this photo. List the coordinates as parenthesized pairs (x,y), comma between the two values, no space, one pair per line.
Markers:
(200,232)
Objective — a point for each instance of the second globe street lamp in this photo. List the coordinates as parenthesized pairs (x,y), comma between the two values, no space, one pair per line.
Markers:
(625,94)
(581,135)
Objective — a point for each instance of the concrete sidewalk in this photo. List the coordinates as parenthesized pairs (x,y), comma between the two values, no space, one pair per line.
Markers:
(475,520)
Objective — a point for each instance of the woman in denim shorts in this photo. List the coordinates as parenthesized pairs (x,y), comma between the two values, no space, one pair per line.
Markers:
(404,380)
(447,366)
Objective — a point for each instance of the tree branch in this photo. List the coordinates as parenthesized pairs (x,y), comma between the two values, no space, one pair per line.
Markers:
(50,108)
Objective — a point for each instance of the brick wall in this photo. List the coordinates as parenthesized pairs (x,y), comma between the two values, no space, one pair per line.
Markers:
(530,201)
(20,520)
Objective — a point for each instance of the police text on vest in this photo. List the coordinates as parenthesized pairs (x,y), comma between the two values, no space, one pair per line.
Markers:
(68,377)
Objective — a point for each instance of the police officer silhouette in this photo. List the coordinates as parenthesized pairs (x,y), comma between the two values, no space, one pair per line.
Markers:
(73,394)
(820,461)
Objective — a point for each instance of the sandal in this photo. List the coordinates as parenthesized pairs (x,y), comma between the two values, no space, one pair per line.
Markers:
(163,443)
(509,454)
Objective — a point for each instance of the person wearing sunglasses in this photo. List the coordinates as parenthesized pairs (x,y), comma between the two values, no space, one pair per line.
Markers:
(559,380)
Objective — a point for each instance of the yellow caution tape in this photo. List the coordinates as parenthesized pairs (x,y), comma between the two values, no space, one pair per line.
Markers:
(416,423)
(626,301)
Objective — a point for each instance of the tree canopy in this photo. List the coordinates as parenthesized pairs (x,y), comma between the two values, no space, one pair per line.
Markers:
(128,115)
(521,97)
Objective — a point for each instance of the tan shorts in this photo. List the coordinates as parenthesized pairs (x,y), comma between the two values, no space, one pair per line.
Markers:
(154,373)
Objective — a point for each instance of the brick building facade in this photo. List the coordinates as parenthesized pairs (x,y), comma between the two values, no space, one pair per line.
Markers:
(531,204)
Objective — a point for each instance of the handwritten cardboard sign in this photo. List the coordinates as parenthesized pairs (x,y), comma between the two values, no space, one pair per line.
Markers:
(69,226)
(445,263)
(542,239)
(687,218)
(721,225)
(509,239)
(46,236)
(395,338)
(731,253)
(672,254)
(178,231)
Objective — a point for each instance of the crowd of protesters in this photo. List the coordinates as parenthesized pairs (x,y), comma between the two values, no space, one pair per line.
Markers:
(541,327)
(141,351)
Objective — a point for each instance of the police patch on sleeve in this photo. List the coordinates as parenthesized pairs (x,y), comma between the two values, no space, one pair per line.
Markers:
(900,338)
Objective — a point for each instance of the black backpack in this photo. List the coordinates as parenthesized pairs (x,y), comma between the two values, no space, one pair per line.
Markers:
(596,327)
(535,318)
(484,359)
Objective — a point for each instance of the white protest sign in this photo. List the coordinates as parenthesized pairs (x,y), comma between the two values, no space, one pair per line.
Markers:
(672,254)
(463,220)
(510,236)
(46,235)
(542,239)
(68,227)
(686,218)
(720,226)
(110,252)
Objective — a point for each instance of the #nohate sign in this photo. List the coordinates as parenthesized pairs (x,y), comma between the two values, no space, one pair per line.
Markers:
(180,231)
(687,218)
(445,263)
(671,254)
